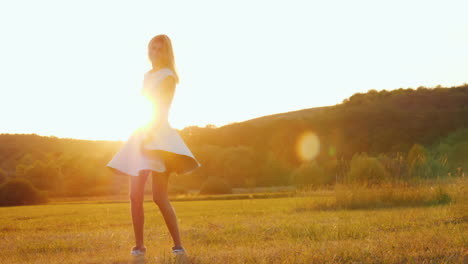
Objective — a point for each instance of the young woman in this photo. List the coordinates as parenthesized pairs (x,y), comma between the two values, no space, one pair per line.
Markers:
(156,149)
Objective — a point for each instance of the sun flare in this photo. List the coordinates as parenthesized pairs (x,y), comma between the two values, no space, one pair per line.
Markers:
(138,115)
(308,146)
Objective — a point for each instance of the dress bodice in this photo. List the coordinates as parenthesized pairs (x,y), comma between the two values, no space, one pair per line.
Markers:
(156,147)
(151,89)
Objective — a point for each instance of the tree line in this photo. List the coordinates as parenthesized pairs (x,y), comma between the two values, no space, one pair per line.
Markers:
(378,132)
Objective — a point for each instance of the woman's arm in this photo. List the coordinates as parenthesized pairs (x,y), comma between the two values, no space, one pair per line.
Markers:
(167,90)
(163,100)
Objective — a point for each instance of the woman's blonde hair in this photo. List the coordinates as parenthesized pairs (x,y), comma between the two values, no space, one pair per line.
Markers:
(167,60)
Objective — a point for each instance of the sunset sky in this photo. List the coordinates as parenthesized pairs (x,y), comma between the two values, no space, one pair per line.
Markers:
(75,68)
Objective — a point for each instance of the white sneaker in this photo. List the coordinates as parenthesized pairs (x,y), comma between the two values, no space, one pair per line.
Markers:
(180,255)
(138,252)
(178,251)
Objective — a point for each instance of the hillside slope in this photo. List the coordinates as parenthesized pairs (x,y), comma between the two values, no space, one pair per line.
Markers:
(264,150)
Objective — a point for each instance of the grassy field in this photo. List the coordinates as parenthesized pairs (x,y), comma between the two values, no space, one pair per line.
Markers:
(268,230)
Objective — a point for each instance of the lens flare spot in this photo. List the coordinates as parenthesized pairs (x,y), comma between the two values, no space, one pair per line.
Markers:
(308,146)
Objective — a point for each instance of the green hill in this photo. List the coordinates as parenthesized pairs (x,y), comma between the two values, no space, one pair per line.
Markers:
(374,122)
(264,151)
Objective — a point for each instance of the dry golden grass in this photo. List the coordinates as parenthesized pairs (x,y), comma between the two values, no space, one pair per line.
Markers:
(274,230)
(353,196)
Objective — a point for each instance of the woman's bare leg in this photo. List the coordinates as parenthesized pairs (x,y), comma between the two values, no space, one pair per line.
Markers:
(137,187)
(160,197)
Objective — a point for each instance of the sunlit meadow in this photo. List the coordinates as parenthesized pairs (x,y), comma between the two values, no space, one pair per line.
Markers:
(297,229)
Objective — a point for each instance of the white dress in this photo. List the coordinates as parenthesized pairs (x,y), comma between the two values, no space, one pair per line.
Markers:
(158,147)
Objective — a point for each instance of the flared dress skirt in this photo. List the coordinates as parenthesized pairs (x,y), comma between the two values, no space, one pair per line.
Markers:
(157,149)
(160,150)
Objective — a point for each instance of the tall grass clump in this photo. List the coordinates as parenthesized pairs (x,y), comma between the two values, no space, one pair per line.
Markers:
(458,208)
(395,164)
(425,164)
(359,196)
(356,197)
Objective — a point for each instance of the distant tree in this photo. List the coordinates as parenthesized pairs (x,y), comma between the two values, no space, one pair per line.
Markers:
(366,170)
(20,169)
(376,122)
(310,173)
(210,126)
(416,160)
(3,176)
(20,192)
(177,189)
(273,172)
(240,164)
(455,145)
(215,185)
(459,155)
(43,176)
(250,182)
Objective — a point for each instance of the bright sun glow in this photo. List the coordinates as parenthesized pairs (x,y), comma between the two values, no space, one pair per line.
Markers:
(308,146)
(143,112)
(138,116)
(81,78)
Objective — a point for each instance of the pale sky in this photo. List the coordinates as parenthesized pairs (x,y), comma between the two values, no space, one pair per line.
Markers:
(75,68)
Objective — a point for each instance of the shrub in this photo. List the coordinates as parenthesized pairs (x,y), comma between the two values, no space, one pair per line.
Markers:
(367,170)
(214,185)
(310,173)
(20,192)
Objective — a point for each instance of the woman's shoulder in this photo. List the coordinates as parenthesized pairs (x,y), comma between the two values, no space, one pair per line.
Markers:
(161,72)
(156,77)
